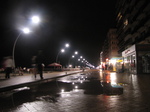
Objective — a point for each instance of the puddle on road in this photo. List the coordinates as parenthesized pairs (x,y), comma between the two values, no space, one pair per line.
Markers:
(90,83)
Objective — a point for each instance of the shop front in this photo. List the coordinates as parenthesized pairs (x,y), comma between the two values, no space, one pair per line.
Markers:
(115,64)
(136,59)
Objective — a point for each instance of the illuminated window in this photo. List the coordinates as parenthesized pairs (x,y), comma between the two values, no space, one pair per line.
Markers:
(126,22)
(119,16)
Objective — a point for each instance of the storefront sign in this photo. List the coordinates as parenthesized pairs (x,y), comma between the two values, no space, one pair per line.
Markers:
(128,51)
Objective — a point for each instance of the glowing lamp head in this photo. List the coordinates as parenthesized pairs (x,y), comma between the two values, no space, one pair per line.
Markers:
(62,50)
(35,19)
(76,52)
(26,30)
(67,45)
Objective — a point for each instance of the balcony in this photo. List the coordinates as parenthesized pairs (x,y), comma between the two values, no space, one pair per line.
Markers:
(136,34)
(147,23)
(134,24)
(147,8)
(141,16)
(127,37)
(140,4)
(127,28)
(142,29)
(128,43)
(133,3)
(134,12)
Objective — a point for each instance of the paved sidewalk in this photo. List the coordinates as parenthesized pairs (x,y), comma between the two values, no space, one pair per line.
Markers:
(29,79)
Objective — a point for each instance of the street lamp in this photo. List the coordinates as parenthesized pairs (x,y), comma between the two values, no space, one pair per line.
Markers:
(73,56)
(62,50)
(76,52)
(70,59)
(67,45)
(26,31)
(35,19)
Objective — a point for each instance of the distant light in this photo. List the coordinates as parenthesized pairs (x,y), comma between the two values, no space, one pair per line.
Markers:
(35,19)
(76,87)
(76,52)
(70,66)
(28,69)
(62,90)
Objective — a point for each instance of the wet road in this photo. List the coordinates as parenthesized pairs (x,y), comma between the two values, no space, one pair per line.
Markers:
(89,92)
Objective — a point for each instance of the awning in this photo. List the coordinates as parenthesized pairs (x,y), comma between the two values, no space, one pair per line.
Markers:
(55,65)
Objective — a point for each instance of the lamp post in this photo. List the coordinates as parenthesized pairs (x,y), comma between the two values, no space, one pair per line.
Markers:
(62,50)
(73,56)
(35,20)
(26,31)
(70,59)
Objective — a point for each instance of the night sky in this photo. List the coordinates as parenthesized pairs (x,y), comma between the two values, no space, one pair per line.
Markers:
(82,24)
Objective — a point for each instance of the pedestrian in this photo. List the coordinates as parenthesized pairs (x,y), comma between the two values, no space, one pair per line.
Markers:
(34,66)
(39,61)
(20,71)
(8,65)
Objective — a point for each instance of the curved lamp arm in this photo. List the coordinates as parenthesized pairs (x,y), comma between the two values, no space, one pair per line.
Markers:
(13,53)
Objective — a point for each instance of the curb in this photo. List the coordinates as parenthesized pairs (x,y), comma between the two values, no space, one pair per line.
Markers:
(8,88)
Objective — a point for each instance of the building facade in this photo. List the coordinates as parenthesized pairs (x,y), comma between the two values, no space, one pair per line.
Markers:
(133,29)
(137,59)
(112,43)
(132,35)
(110,50)
(133,23)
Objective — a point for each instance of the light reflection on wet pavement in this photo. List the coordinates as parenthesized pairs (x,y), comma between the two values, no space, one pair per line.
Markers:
(89,92)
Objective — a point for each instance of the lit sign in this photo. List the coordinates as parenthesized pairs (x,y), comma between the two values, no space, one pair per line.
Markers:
(126,52)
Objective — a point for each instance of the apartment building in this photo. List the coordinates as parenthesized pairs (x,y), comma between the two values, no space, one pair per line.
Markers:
(133,29)
(112,43)
(110,55)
